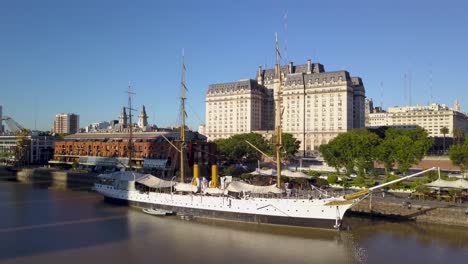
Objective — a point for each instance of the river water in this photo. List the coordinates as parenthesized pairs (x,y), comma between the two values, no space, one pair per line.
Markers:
(41,225)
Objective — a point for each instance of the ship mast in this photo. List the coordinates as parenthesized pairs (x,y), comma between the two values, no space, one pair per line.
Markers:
(130,140)
(182,127)
(279,138)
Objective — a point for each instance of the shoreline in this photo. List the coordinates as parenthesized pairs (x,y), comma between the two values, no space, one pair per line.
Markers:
(391,207)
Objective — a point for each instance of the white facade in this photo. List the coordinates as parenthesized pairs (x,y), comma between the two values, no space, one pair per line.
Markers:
(94,127)
(316,105)
(234,108)
(202,129)
(431,117)
(143,119)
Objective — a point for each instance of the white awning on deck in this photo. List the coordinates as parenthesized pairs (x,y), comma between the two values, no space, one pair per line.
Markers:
(245,187)
(439,183)
(155,182)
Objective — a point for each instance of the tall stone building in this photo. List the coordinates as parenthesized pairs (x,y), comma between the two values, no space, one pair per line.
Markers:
(235,108)
(66,123)
(143,118)
(316,105)
(123,117)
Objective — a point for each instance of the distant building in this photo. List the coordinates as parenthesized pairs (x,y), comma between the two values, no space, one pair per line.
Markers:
(143,119)
(123,117)
(66,123)
(317,105)
(38,149)
(95,127)
(430,117)
(150,151)
(201,129)
(1,122)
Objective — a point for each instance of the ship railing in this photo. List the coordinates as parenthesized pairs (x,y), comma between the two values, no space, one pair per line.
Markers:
(298,194)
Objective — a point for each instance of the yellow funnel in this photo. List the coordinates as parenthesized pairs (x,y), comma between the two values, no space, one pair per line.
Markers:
(196,172)
(214,176)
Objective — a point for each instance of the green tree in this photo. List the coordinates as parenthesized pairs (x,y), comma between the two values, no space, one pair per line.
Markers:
(444,131)
(290,146)
(459,155)
(223,148)
(458,135)
(22,145)
(330,153)
(408,146)
(356,148)
(385,154)
(364,149)
(235,149)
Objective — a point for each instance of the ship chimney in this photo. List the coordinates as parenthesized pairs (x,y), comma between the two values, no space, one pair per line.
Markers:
(290,67)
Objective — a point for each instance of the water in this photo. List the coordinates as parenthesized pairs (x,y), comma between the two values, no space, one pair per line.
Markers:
(40,225)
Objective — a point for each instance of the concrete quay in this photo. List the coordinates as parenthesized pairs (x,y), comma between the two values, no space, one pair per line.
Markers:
(400,207)
(47,177)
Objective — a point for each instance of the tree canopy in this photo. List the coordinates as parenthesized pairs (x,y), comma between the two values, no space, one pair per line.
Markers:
(360,148)
(459,155)
(354,149)
(22,143)
(235,149)
(408,146)
(290,146)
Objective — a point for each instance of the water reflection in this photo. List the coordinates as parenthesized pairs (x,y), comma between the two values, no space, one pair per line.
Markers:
(39,221)
(67,226)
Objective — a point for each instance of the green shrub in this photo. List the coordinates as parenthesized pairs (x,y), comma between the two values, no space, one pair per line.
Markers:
(321,182)
(332,178)
(423,189)
(392,178)
(369,183)
(313,173)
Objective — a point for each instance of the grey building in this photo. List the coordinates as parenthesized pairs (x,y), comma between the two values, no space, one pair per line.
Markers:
(39,149)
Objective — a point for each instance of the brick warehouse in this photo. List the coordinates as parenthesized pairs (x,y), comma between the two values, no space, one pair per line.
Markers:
(151,151)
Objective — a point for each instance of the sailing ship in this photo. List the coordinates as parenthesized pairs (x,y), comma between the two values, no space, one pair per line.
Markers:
(233,200)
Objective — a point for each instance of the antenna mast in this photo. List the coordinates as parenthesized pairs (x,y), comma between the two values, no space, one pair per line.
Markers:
(130,140)
(286,36)
(409,88)
(182,127)
(279,139)
(430,82)
(381,94)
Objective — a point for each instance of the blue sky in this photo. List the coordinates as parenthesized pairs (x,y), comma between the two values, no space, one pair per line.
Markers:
(78,56)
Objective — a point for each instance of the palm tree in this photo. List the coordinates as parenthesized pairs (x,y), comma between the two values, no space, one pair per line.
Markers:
(458,135)
(444,131)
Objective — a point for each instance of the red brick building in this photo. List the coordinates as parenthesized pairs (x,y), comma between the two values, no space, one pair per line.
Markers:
(150,150)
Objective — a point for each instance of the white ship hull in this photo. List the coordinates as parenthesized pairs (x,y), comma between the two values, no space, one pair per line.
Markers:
(284,211)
